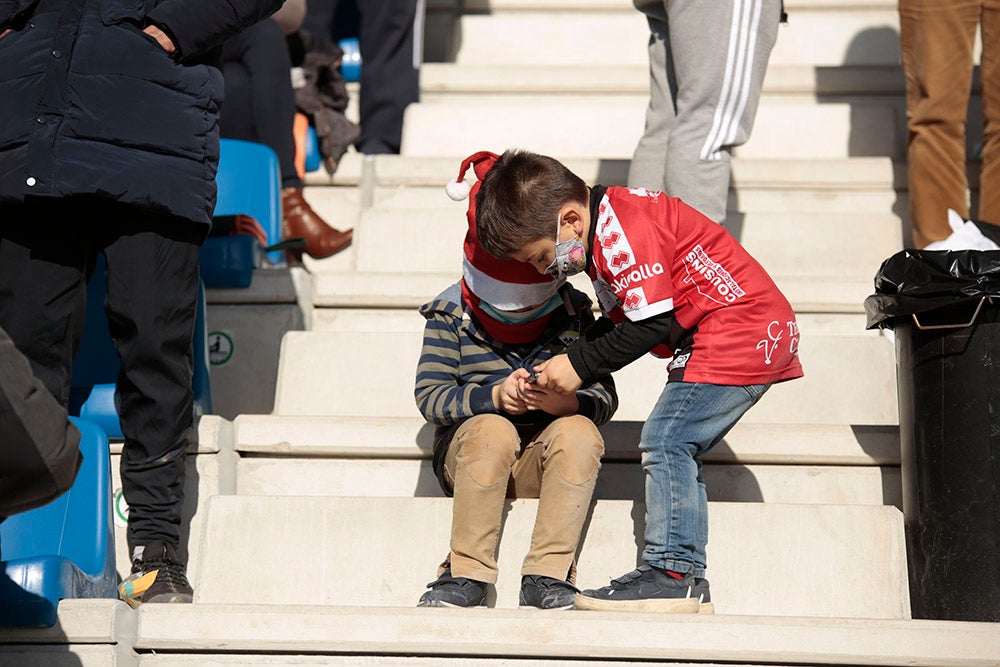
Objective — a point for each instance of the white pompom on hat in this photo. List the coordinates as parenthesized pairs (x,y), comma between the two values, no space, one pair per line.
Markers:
(481,163)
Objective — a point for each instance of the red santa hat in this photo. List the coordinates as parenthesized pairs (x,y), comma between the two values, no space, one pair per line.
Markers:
(504,284)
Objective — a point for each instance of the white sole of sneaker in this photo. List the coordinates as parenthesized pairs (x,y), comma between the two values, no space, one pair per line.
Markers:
(528,606)
(655,605)
(706,608)
(441,603)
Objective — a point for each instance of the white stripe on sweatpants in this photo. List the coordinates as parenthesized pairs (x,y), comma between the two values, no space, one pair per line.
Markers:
(736,81)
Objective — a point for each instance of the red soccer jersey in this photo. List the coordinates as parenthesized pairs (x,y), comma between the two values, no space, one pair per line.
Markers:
(654,254)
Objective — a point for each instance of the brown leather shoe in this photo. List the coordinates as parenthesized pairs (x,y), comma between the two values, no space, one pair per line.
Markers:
(301,221)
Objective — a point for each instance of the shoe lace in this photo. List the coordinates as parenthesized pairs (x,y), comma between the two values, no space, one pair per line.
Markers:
(170,571)
(446,578)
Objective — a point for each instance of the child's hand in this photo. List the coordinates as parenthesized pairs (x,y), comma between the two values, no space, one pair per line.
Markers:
(558,374)
(507,396)
(550,400)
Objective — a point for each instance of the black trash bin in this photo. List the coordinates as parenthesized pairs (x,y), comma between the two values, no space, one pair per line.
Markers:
(944,307)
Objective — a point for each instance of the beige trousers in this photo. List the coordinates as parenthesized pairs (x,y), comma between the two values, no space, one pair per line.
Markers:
(936,40)
(487,462)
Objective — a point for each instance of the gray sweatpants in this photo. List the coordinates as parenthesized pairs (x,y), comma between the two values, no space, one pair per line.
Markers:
(707,60)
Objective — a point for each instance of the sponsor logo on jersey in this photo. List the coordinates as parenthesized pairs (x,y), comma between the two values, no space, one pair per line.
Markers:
(775,334)
(615,248)
(634,299)
(680,361)
(643,192)
(637,275)
(710,278)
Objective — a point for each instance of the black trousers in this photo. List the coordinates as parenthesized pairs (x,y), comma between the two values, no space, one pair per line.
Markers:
(47,252)
(260,102)
(389,79)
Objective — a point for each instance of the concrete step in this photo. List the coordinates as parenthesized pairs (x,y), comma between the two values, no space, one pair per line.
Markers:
(338,289)
(378,319)
(91,632)
(824,485)
(400,258)
(379,551)
(857,173)
(853,82)
(781,130)
(816,244)
(341,206)
(411,438)
(848,380)
(318,634)
(821,34)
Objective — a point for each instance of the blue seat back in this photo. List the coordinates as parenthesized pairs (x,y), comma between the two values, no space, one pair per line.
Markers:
(65,549)
(76,525)
(96,364)
(350,66)
(249,182)
(313,157)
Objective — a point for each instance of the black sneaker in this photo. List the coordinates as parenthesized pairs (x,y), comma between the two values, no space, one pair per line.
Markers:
(701,591)
(644,589)
(161,572)
(541,592)
(449,591)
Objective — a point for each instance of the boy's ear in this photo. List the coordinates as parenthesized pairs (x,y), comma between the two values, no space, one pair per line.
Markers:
(572,214)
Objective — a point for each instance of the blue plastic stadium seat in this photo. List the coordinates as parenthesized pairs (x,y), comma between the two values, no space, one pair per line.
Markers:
(313,157)
(65,549)
(95,367)
(249,182)
(350,66)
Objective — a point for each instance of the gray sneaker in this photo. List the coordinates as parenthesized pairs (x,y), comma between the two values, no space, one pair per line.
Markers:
(645,589)
(541,592)
(449,591)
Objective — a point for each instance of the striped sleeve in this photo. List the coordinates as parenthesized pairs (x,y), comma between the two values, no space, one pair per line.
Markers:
(442,396)
(599,401)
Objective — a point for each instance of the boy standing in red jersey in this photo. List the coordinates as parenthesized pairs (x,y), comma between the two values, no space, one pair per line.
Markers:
(673,283)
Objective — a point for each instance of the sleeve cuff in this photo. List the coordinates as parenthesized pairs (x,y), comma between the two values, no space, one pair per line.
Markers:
(481,400)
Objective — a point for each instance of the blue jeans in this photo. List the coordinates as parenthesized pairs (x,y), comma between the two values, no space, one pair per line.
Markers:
(687,421)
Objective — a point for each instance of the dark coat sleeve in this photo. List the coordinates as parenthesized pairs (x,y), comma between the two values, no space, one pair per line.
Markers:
(198,26)
(40,456)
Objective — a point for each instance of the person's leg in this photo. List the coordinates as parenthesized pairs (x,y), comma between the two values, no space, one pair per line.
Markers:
(565,458)
(319,18)
(687,421)
(45,254)
(720,52)
(648,165)
(390,78)
(936,42)
(989,180)
(151,304)
(479,462)
(260,102)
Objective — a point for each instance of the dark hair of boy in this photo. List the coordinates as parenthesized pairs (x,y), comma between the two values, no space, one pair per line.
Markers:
(520,199)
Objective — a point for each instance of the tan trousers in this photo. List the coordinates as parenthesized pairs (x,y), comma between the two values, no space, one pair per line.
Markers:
(487,462)
(937,39)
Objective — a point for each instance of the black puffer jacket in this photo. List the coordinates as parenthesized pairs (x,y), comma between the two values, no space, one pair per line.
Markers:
(89,104)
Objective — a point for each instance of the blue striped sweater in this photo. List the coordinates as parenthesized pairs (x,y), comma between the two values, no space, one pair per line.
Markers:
(460,364)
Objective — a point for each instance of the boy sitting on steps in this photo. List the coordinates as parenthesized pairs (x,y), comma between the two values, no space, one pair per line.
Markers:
(675,284)
(499,436)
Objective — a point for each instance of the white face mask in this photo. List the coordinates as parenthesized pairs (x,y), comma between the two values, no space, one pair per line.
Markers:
(522,316)
(571,256)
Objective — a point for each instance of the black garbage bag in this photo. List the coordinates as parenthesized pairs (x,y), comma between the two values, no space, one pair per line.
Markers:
(912,282)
